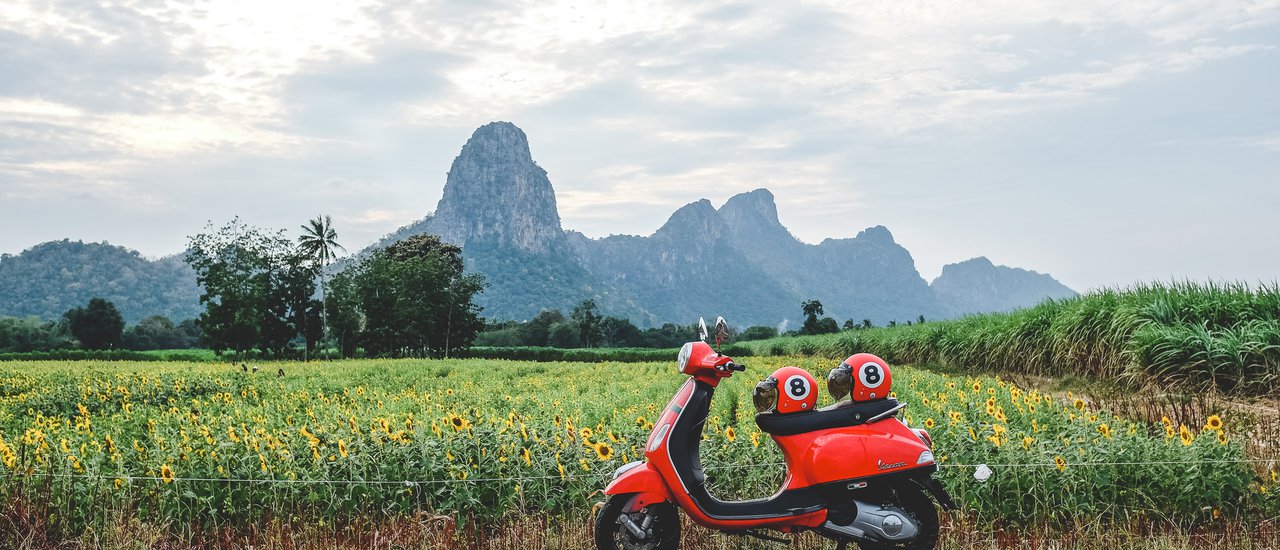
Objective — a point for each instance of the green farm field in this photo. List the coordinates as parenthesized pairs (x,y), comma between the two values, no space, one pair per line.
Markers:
(1200,338)
(440,451)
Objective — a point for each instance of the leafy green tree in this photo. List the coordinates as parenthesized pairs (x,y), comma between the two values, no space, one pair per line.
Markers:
(618,333)
(159,332)
(346,320)
(256,288)
(319,243)
(587,318)
(812,324)
(758,333)
(537,331)
(866,323)
(416,300)
(97,326)
(848,325)
(563,335)
(33,334)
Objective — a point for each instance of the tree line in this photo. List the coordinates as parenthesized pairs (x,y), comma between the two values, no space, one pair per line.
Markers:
(97,325)
(269,295)
(584,327)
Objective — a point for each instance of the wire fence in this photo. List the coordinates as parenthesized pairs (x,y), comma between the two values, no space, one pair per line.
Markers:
(594,475)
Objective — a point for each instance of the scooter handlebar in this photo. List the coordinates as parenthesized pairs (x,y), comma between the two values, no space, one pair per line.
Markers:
(737,366)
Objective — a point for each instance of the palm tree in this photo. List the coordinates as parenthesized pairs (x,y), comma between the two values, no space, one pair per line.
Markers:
(319,241)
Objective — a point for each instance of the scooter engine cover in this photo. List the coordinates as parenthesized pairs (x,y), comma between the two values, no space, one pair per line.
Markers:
(855,452)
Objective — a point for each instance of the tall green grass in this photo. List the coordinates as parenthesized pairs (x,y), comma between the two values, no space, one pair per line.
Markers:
(1196,335)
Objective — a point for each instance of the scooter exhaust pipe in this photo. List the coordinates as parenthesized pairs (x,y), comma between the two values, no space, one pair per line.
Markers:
(874,523)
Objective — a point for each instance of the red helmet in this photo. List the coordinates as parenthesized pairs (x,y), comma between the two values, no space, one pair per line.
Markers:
(863,376)
(798,391)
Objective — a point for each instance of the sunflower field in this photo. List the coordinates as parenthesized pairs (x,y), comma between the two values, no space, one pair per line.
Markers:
(209,446)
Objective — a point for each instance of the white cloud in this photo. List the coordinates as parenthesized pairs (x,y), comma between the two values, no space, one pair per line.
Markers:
(638,108)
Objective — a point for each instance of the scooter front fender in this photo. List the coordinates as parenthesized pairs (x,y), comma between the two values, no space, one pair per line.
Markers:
(645,482)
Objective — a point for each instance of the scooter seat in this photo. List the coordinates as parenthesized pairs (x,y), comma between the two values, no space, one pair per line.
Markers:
(841,415)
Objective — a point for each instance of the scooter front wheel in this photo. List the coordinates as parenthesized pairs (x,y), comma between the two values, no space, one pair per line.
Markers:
(655,527)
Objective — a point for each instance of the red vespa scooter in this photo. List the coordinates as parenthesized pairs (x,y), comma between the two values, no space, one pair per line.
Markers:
(855,473)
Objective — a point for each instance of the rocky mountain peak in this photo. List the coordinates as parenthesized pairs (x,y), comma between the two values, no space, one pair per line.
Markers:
(755,208)
(977,285)
(697,221)
(495,193)
(877,234)
(979,262)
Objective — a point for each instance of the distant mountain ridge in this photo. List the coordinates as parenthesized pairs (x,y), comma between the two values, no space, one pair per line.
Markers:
(738,260)
(499,205)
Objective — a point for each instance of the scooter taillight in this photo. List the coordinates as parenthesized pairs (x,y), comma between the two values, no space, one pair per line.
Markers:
(924,437)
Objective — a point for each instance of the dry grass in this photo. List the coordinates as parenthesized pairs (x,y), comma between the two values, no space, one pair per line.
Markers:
(441,533)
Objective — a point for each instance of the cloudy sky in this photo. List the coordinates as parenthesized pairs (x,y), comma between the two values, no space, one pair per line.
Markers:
(1101,142)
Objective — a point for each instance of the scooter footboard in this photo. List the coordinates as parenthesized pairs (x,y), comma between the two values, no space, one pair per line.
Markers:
(639,478)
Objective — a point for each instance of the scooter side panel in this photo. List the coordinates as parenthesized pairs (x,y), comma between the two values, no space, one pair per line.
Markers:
(851,452)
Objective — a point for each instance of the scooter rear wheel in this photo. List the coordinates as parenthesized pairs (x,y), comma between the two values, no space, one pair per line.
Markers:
(913,501)
(663,522)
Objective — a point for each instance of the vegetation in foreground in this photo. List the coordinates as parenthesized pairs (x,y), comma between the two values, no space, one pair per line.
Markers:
(430,532)
(339,443)
(1201,336)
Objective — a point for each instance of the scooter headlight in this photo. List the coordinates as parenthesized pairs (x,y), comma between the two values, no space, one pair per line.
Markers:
(925,458)
(685,352)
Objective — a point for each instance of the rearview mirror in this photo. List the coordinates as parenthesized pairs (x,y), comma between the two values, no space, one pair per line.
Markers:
(722,331)
(702,329)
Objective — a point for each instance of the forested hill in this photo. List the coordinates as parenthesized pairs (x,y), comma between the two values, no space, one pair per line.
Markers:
(50,278)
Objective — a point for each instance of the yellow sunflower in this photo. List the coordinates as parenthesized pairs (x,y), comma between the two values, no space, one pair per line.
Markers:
(928,423)
(730,434)
(1105,430)
(1214,422)
(1078,404)
(1060,463)
(166,474)
(603,451)
(524,453)
(459,423)
(1185,435)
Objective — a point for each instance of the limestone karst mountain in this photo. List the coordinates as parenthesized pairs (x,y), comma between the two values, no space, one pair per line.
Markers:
(978,286)
(499,205)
